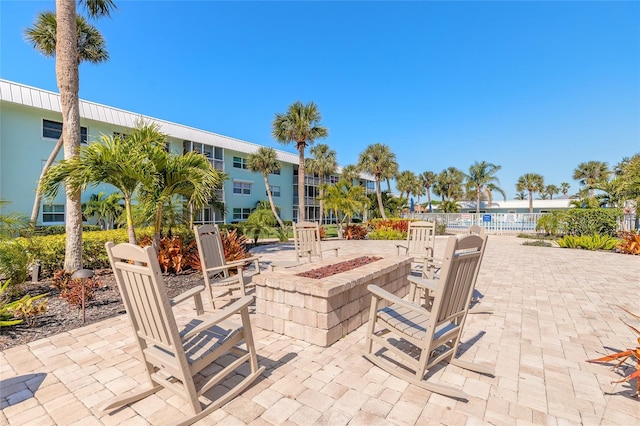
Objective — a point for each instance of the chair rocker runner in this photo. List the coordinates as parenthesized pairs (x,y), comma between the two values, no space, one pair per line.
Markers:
(413,339)
(421,237)
(223,287)
(173,359)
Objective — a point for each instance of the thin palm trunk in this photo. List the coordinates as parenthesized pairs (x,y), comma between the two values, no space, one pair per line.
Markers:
(379,195)
(530,201)
(478,201)
(37,202)
(130,230)
(68,83)
(301,211)
(157,227)
(271,203)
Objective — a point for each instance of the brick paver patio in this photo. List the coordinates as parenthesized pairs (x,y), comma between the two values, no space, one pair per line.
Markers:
(554,308)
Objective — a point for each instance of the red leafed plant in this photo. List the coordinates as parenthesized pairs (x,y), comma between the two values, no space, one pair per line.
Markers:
(234,245)
(630,243)
(624,355)
(173,255)
(355,232)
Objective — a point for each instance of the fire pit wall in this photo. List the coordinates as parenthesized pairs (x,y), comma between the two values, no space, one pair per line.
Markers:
(321,311)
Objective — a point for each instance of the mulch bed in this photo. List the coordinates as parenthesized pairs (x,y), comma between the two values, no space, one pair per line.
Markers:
(61,317)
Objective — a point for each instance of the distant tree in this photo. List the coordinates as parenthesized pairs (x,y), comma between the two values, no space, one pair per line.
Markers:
(323,162)
(564,188)
(427,180)
(543,196)
(531,182)
(590,173)
(350,173)
(521,195)
(379,161)
(106,207)
(551,190)
(448,184)
(265,161)
(482,180)
(345,200)
(300,125)
(406,181)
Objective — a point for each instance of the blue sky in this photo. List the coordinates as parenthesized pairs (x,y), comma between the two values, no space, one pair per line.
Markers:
(531,86)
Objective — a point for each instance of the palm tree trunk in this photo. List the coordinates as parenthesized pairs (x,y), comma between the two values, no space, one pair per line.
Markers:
(379,195)
(68,83)
(38,198)
(130,230)
(301,211)
(530,201)
(477,201)
(157,227)
(271,203)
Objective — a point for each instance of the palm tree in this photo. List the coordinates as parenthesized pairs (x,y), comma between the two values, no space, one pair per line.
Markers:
(531,182)
(324,163)
(564,188)
(91,48)
(427,179)
(482,180)
(551,190)
(406,181)
(345,200)
(591,172)
(379,161)
(350,173)
(521,195)
(67,61)
(105,207)
(300,125)
(265,161)
(448,184)
(10,222)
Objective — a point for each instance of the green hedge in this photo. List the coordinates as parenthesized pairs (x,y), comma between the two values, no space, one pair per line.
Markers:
(54,230)
(592,221)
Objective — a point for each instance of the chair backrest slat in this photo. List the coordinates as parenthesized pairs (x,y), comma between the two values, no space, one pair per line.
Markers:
(210,247)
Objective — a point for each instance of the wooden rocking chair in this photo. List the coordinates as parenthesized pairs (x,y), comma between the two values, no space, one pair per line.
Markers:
(421,238)
(223,286)
(173,358)
(414,339)
(306,239)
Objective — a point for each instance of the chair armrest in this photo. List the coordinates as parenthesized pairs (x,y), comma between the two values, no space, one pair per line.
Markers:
(220,268)
(399,246)
(393,299)
(430,285)
(334,249)
(221,315)
(193,292)
(240,262)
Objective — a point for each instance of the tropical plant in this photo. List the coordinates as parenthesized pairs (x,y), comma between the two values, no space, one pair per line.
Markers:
(17,311)
(622,356)
(265,161)
(427,180)
(531,182)
(564,188)
(590,173)
(551,223)
(106,207)
(521,195)
(355,232)
(259,222)
(350,173)
(379,161)
(324,162)
(482,180)
(449,206)
(300,125)
(234,245)
(551,190)
(406,182)
(14,261)
(630,242)
(345,200)
(174,255)
(589,242)
(11,223)
(448,185)
(90,47)
(77,292)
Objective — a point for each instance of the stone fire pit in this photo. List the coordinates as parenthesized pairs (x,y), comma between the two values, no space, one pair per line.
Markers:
(321,311)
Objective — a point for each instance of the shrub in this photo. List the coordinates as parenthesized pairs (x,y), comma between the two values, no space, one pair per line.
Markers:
(387,234)
(234,246)
(551,223)
(13,313)
(14,260)
(589,242)
(173,255)
(592,221)
(71,290)
(355,232)
(401,225)
(54,230)
(630,243)
(323,233)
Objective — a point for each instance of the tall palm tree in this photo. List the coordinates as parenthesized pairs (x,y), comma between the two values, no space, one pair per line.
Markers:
(406,182)
(345,200)
(482,180)
(90,48)
(591,172)
(300,125)
(324,162)
(379,161)
(265,161)
(67,60)
(551,190)
(427,179)
(564,188)
(350,173)
(531,182)
(448,184)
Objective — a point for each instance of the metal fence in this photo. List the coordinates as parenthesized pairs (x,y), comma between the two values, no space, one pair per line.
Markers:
(498,223)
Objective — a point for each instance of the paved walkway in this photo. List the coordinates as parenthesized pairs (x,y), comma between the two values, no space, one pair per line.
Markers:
(554,308)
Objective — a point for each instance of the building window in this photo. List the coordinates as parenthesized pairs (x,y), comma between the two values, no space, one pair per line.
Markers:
(239,162)
(214,154)
(53,130)
(241,213)
(275,172)
(333,179)
(52,213)
(275,191)
(242,188)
